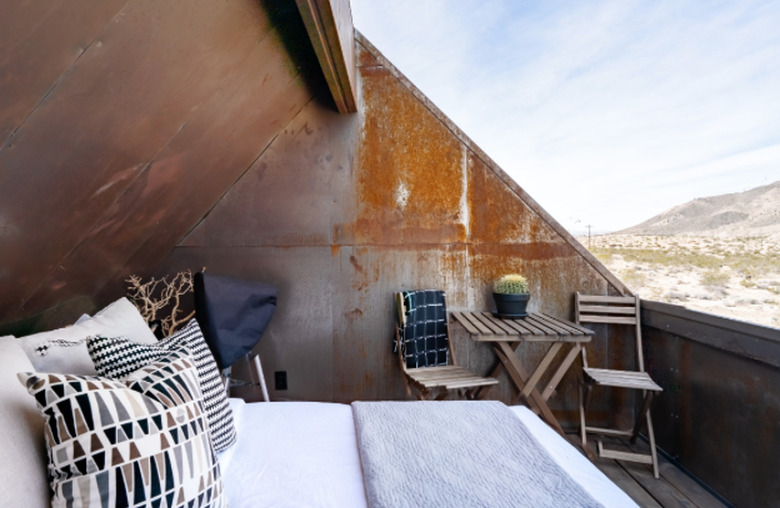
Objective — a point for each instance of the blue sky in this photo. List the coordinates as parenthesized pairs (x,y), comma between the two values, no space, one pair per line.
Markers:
(606,112)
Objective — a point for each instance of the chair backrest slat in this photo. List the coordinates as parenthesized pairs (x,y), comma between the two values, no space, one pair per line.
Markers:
(615,320)
(610,310)
(625,300)
(604,309)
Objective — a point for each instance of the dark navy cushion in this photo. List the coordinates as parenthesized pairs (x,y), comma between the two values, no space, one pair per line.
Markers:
(424,337)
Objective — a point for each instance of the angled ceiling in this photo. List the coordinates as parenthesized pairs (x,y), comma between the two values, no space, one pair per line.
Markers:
(122,122)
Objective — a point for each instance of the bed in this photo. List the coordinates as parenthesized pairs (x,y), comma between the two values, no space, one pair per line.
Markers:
(305,454)
(288,454)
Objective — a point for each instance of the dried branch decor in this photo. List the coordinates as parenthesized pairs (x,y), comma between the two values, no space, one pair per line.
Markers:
(157,297)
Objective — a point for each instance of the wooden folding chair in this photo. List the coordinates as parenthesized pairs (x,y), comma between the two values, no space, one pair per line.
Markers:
(424,350)
(617,310)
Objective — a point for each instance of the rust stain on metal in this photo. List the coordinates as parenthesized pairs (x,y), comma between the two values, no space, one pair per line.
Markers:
(365,277)
(354,262)
(353,315)
(525,251)
(410,170)
(497,215)
(368,379)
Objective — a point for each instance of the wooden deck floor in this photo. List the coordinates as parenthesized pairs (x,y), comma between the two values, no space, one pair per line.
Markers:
(674,488)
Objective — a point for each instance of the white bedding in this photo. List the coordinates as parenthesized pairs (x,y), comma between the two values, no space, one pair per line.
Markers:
(304,454)
(293,454)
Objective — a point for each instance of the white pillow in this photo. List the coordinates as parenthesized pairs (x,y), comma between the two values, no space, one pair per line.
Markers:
(82,318)
(23,454)
(64,350)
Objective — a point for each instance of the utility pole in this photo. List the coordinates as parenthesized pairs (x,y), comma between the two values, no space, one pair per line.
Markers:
(588,236)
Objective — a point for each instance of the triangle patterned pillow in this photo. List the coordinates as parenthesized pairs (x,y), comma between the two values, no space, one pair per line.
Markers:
(116,357)
(140,442)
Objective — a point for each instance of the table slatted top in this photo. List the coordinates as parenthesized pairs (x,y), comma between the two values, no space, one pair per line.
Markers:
(484,326)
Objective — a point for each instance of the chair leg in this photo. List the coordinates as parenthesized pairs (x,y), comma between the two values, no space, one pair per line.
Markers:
(257,372)
(226,373)
(641,416)
(651,438)
(644,416)
(422,393)
(581,404)
(585,394)
(407,387)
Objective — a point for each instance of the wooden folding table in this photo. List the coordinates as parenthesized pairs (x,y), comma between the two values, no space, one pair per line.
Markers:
(505,335)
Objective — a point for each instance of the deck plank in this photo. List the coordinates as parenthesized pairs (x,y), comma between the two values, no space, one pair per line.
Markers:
(674,488)
(661,490)
(618,475)
(683,482)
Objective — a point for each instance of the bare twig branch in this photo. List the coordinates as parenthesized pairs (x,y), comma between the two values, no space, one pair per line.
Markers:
(156,295)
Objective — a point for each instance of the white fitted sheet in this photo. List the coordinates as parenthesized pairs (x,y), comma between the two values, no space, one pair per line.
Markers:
(304,454)
(293,454)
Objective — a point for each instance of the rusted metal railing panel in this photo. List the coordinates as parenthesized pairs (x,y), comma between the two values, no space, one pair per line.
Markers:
(719,413)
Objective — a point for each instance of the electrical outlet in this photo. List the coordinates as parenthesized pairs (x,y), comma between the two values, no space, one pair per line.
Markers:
(280,380)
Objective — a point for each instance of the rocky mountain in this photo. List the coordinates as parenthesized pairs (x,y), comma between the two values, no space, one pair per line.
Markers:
(755,212)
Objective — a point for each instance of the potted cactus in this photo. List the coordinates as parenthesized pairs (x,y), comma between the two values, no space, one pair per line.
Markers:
(510,293)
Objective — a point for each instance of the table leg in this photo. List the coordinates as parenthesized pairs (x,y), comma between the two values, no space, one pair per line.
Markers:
(515,371)
(562,369)
(541,368)
(481,392)
(518,375)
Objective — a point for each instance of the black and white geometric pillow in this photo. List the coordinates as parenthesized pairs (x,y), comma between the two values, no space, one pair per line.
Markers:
(116,357)
(143,442)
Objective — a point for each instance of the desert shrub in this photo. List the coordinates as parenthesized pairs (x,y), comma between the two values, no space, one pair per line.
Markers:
(676,296)
(714,278)
(605,255)
(633,278)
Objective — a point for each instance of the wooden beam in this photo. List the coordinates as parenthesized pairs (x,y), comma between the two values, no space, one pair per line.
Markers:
(329,24)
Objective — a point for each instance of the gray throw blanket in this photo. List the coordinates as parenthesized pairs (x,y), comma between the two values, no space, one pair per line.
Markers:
(457,454)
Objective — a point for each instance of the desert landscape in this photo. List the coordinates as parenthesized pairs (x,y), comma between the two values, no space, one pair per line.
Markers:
(719,255)
(736,277)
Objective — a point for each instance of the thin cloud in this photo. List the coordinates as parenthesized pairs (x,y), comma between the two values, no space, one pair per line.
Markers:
(588,105)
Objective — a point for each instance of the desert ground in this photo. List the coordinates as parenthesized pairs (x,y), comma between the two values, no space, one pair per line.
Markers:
(729,276)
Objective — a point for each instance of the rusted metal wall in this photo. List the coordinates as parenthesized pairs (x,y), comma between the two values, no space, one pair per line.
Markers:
(719,413)
(150,137)
(343,210)
(122,123)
